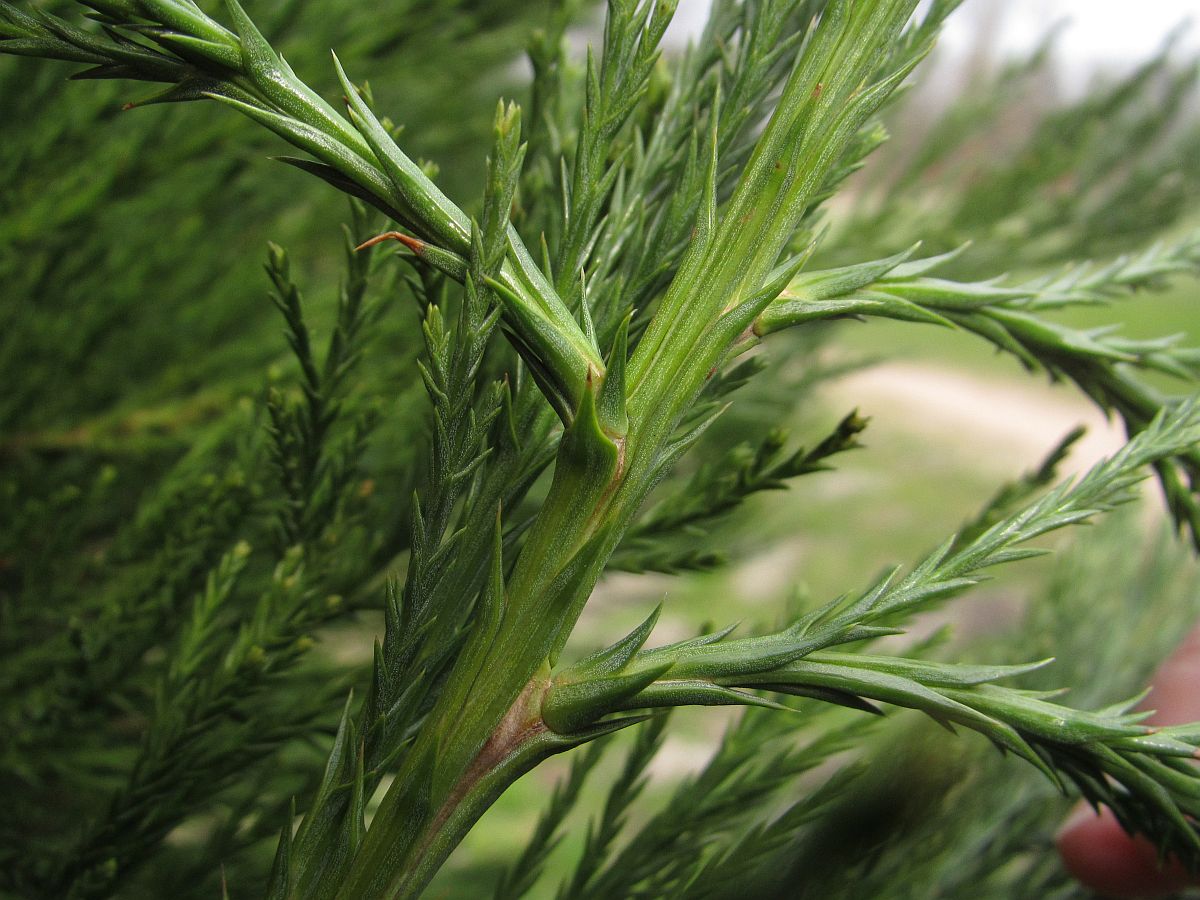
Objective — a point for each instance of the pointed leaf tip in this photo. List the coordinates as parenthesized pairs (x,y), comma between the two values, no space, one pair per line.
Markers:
(614,658)
(611,404)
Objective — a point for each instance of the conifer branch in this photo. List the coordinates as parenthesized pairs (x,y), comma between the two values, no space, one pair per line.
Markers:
(677,204)
(1100,363)
(199,58)
(1155,795)
(718,488)
(518,878)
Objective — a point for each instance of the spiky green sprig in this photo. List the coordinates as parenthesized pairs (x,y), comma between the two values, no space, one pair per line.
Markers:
(1002,314)
(206,728)
(463,408)
(216,667)
(1147,270)
(614,89)
(1107,169)
(900,287)
(313,473)
(475,463)
(1020,490)
(1157,792)
(525,871)
(400,693)
(191,748)
(723,871)
(1097,361)
(1109,483)
(819,113)
(759,760)
(1140,772)
(660,166)
(970,823)
(200,58)
(624,790)
(744,57)
(1086,748)
(686,324)
(718,488)
(403,685)
(543,329)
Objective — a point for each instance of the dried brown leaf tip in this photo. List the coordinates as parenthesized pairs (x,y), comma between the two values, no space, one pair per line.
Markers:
(416,245)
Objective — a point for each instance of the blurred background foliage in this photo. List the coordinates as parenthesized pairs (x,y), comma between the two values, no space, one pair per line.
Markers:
(143,370)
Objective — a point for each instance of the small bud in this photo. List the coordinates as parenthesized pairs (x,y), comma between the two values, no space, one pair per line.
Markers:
(303,644)
(277,258)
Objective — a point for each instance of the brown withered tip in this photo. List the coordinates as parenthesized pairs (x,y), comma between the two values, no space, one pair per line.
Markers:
(416,245)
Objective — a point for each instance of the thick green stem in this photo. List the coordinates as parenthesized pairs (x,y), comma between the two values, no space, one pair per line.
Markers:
(603,473)
(483,696)
(582,521)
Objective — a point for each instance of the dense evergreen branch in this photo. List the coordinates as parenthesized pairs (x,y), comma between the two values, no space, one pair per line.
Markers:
(677,204)
(1154,792)
(1099,362)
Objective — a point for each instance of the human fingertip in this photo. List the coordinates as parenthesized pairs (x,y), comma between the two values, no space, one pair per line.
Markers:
(1101,856)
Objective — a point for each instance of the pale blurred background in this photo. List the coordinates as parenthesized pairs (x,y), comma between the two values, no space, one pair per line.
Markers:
(1099,33)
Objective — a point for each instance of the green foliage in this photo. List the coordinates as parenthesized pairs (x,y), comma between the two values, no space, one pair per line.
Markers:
(568,387)
(972,822)
(716,489)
